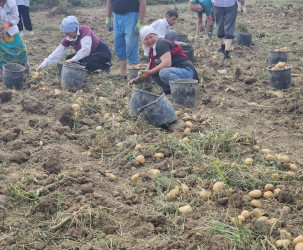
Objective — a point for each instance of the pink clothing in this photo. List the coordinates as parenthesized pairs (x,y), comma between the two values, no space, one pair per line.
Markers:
(84,31)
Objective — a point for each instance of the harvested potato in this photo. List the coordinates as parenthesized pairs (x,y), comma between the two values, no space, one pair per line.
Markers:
(204,123)
(249,161)
(98,128)
(270,157)
(41,143)
(293,167)
(185,209)
(118,118)
(89,153)
(134,177)
(266,150)
(204,195)
(57,91)
(299,246)
(80,99)
(186,139)
(257,212)
(175,191)
(241,218)
(283,158)
(187,131)
(233,221)
(76,107)
(255,194)
(257,148)
(119,144)
(245,214)
(277,191)
(110,176)
(188,124)
(106,116)
(140,73)
(155,171)
(275,176)
(298,239)
(268,194)
(255,203)
(185,188)
(218,186)
(170,196)
(159,155)
(273,221)
(35,76)
(140,159)
(269,187)
(178,112)
(282,243)
(262,218)
(285,234)
(138,147)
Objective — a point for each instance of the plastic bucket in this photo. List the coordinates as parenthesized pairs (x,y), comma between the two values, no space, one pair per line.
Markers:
(184,91)
(59,69)
(72,76)
(277,56)
(188,50)
(279,79)
(244,39)
(182,38)
(159,112)
(139,99)
(12,75)
(133,73)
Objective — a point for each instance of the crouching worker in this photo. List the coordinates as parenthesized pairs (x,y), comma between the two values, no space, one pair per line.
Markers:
(90,50)
(12,49)
(168,62)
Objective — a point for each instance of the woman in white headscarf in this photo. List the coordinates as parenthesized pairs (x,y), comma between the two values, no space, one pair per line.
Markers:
(168,62)
(90,50)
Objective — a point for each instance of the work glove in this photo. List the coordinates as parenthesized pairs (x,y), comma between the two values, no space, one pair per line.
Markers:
(139,25)
(5,27)
(205,37)
(144,74)
(39,68)
(108,24)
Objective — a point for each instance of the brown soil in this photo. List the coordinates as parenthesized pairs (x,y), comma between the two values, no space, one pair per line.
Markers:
(54,191)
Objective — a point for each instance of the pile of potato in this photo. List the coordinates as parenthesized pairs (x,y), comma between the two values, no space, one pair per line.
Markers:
(284,49)
(280,66)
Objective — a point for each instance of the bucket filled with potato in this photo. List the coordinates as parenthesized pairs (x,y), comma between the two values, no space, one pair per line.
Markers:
(280,75)
(277,55)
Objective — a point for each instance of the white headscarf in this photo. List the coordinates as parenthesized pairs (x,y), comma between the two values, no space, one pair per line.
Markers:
(144,31)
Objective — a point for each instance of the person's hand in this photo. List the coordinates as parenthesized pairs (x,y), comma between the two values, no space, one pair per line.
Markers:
(131,82)
(205,37)
(108,24)
(39,68)
(70,61)
(144,74)
(5,27)
(139,25)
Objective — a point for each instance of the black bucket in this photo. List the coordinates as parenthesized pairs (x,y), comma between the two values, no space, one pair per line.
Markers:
(279,79)
(244,39)
(12,75)
(277,56)
(184,91)
(188,50)
(182,38)
(72,76)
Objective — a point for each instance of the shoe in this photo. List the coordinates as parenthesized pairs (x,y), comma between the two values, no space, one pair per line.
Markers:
(226,55)
(31,33)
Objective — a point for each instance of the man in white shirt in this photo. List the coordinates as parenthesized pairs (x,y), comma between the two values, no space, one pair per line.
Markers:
(162,26)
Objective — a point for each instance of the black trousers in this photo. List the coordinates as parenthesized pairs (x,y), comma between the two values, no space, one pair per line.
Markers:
(94,62)
(24,18)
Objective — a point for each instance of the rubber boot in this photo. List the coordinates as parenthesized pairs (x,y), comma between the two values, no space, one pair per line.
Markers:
(226,55)
(221,49)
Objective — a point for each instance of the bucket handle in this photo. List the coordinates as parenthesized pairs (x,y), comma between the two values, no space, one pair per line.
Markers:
(140,109)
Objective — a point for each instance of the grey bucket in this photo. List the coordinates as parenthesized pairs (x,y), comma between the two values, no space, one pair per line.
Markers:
(72,76)
(12,75)
(159,112)
(133,73)
(184,91)
(188,50)
(139,99)
(244,39)
(279,79)
(277,56)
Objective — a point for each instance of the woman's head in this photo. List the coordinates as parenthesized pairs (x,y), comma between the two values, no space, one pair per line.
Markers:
(2,3)
(148,36)
(69,26)
(195,7)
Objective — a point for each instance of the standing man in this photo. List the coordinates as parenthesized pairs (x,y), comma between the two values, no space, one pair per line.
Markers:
(127,21)
(162,26)
(226,15)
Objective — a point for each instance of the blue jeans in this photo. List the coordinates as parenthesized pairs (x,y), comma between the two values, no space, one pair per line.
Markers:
(126,41)
(172,74)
